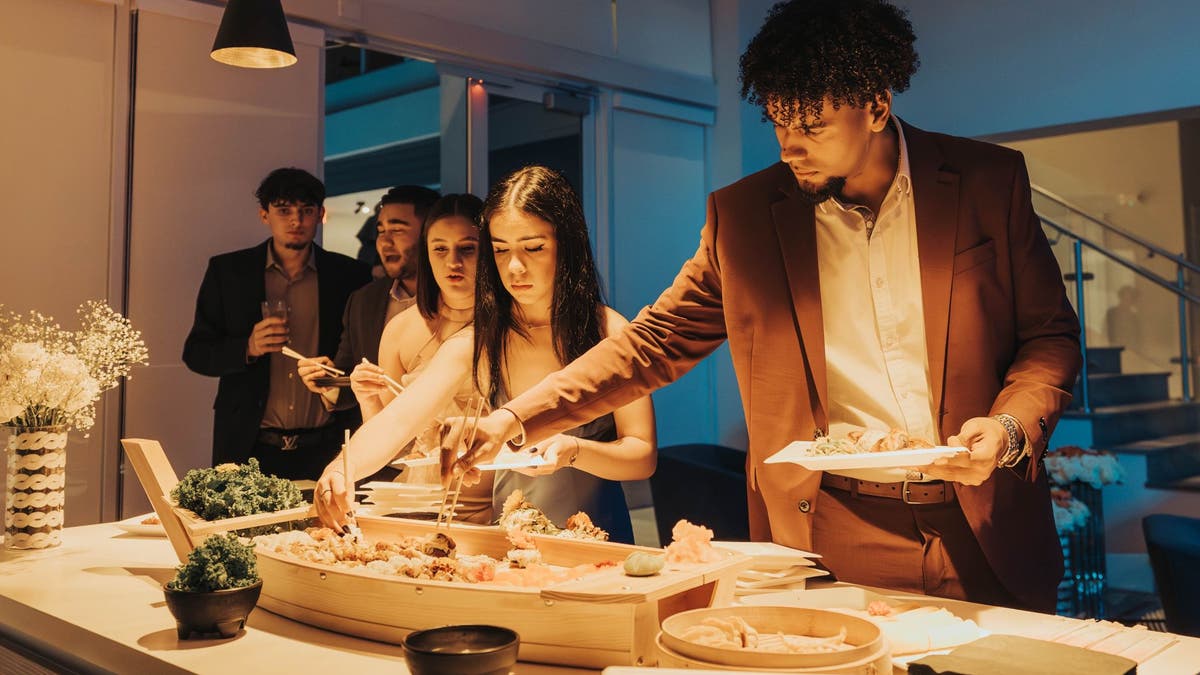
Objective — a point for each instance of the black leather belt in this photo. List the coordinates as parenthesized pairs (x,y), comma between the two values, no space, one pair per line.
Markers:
(295,439)
(909,492)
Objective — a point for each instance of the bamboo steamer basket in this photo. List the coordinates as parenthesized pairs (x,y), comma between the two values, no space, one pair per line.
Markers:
(870,654)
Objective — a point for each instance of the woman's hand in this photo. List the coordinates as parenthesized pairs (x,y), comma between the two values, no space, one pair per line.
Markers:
(491,433)
(368,384)
(332,497)
(559,451)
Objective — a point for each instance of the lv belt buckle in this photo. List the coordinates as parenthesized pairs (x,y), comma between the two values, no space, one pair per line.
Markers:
(290,441)
(906,495)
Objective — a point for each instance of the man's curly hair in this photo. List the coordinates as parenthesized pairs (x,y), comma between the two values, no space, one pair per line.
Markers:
(849,50)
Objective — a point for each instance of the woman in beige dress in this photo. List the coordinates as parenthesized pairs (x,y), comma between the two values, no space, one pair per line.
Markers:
(426,349)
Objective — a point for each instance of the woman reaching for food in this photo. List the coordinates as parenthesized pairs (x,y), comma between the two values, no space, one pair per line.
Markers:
(426,349)
(538,307)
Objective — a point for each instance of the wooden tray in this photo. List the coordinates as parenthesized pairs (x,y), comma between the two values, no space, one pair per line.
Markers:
(185,529)
(603,619)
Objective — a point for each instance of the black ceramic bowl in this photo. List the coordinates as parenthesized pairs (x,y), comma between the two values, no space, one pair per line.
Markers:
(217,612)
(461,650)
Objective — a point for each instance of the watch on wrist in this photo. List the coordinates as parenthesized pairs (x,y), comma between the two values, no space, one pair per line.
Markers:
(1015,451)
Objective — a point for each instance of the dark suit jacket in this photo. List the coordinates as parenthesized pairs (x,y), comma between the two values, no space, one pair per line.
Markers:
(1000,332)
(362,326)
(227,307)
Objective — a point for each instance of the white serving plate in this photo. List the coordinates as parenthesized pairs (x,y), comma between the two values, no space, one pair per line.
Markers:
(797,453)
(852,600)
(134,525)
(505,460)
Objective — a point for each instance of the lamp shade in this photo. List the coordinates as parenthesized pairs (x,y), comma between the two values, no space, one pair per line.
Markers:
(254,34)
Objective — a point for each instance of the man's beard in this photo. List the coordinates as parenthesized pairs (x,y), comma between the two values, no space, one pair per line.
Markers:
(832,188)
(408,268)
(295,246)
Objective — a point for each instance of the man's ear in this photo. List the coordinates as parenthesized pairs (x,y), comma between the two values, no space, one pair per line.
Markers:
(262,215)
(881,111)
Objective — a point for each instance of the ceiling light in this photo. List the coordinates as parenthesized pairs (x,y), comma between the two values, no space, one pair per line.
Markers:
(254,34)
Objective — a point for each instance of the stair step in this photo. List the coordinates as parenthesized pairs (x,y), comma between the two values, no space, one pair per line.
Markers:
(1122,424)
(1104,359)
(1169,459)
(1189,484)
(1109,389)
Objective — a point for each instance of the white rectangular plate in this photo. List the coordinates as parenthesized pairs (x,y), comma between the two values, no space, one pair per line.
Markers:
(134,525)
(505,460)
(797,453)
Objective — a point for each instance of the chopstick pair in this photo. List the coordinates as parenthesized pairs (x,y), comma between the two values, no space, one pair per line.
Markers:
(288,351)
(470,424)
(395,387)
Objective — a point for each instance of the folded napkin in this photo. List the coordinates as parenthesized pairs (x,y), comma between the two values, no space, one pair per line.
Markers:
(1012,655)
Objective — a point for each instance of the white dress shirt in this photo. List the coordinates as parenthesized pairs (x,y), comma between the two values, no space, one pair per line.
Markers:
(872,309)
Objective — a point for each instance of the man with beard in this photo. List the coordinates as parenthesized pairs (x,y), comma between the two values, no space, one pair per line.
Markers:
(398,218)
(877,277)
(253,302)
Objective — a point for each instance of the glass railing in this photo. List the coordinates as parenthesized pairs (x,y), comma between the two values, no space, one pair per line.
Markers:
(1133,295)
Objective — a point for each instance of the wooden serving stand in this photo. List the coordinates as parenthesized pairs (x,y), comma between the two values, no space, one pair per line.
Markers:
(185,530)
(603,619)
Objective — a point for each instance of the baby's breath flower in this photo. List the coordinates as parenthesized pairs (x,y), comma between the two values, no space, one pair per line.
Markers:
(51,376)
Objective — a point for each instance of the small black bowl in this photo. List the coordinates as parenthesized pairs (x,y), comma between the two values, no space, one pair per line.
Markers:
(216,612)
(462,650)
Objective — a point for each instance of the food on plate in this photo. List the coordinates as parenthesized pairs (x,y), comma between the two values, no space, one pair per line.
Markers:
(867,440)
(432,557)
(734,632)
(691,544)
(150,520)
(230,490)
(520,514)
(524,550)
(643,564)
(915,629)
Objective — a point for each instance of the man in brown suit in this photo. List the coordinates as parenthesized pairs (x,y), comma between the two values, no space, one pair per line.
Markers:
(879,276)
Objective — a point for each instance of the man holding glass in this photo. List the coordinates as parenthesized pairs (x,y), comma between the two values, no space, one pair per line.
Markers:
(287,291)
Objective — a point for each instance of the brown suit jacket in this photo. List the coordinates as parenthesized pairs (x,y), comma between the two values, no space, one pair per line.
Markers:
(1001,336)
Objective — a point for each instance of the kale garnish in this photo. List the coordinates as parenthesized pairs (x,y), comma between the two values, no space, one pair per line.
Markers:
(219,563)
(231,490)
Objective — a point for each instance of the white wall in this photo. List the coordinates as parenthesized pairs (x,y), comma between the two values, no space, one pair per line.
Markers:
(202,143)
(56,185)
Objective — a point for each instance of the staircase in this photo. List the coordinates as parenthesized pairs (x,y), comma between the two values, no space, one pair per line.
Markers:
(1133,415)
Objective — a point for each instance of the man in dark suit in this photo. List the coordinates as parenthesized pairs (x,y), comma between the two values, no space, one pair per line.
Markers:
(879,277)
(398,218)
(262,408)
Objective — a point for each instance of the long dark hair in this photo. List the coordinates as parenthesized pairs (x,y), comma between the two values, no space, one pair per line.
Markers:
(465,205)
(577,308)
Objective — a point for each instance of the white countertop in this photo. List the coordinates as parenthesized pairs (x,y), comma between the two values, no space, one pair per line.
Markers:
(96,602)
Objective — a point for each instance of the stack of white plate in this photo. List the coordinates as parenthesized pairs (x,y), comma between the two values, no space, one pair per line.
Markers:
(775,567)
(384,498)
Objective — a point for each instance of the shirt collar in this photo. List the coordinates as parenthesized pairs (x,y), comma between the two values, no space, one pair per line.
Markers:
(398,292)
(311,263)
(901,183)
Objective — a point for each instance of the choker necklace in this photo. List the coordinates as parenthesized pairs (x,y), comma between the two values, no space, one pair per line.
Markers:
(459,315)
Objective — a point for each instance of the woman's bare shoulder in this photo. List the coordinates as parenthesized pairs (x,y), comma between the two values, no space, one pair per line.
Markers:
(406,331)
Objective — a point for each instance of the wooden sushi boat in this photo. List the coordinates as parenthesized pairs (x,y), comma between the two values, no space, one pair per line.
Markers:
(601,619)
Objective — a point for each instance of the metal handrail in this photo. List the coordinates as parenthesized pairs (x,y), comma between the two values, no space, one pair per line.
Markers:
(1137,269)
(1148,245)
(1178,288)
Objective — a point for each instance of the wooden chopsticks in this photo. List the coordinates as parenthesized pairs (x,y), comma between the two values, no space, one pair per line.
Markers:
(288,351)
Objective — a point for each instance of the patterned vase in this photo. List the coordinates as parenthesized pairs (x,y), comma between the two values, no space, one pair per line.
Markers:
(37,476)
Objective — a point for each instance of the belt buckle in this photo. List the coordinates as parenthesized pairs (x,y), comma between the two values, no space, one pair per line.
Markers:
(905,492)
(290,441)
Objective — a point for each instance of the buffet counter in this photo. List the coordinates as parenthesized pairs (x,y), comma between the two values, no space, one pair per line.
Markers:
(95,604)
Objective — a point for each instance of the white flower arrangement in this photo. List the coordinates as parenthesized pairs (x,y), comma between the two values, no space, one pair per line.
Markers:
(1071,464)
(1070,514)
(51,376)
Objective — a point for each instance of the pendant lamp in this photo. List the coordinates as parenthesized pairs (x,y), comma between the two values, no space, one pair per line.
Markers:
(254,34)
